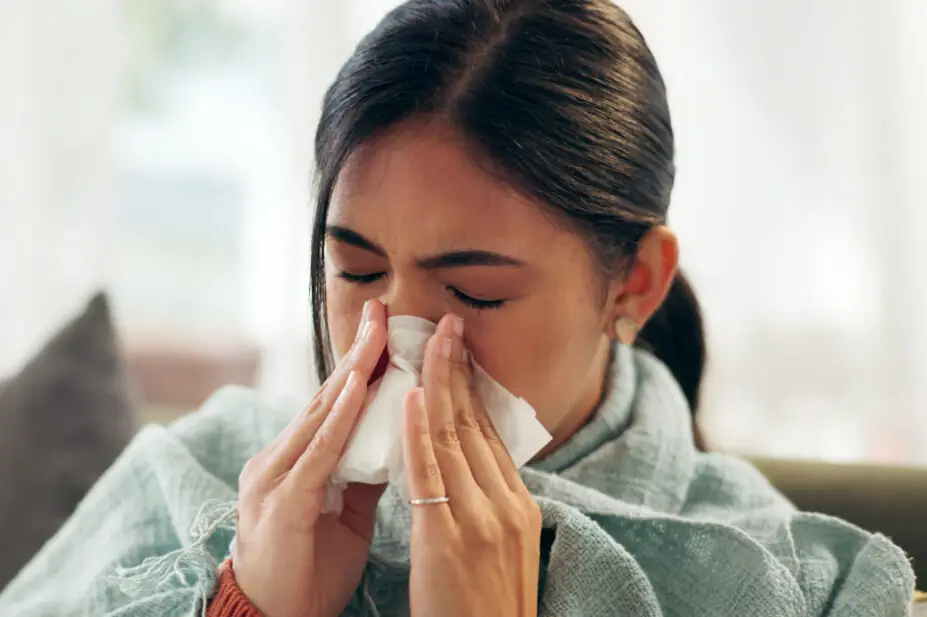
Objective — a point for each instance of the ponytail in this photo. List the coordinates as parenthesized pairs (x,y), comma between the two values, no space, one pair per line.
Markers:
(675,334)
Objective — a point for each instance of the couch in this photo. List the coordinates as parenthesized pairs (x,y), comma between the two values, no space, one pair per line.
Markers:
(888,499)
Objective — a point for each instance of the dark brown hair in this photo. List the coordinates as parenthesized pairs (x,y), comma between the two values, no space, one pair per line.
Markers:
(562,97)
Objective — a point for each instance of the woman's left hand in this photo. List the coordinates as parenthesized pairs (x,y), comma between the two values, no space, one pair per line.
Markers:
(478,554)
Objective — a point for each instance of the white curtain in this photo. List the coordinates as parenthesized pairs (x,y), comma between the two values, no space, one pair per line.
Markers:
(800,134)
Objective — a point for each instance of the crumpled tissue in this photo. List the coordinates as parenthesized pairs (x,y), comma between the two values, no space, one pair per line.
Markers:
(374,454)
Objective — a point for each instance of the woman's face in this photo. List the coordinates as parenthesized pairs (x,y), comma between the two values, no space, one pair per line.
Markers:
(416,224)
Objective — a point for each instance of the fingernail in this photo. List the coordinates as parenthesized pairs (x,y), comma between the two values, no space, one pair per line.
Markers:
(458,325)
(364,322)
(446,346)
(362,337)
(365,317)
(460,354)
(418,417)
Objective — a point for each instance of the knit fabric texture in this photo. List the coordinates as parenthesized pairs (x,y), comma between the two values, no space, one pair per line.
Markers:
(638,524)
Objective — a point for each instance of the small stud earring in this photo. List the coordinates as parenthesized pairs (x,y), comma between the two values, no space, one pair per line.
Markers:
(626,330)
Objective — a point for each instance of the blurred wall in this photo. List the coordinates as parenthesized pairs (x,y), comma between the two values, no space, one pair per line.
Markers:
(162,148)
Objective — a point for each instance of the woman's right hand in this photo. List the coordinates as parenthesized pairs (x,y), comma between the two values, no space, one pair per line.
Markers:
(289,558)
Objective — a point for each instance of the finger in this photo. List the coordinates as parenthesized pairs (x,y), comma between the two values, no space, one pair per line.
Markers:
(317,462)
(504,462)
(357,358)
(297,422)
(436,376)
(362,359)
(364,353)
(360,507)
(476,449)
(422,472)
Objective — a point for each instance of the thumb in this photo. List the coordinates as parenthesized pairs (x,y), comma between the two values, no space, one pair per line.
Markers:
(360,507)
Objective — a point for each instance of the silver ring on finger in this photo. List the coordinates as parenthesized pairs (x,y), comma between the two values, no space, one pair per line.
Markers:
(428,501)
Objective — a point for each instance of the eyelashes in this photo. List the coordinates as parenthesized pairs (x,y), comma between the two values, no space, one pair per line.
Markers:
(474,303)
(361,279)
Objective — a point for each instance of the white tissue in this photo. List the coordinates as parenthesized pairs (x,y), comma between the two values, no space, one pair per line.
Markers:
(374,455)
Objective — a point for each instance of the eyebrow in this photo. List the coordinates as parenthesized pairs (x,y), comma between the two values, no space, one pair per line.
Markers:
(454,259)
(349,236)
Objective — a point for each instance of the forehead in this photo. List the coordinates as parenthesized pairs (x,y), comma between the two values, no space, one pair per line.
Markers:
(419,185)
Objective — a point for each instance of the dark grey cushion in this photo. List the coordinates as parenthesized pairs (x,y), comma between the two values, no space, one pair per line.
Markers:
(63,420)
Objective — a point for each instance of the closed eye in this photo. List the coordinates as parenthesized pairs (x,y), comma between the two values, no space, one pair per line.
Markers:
(361,279)
(475,303)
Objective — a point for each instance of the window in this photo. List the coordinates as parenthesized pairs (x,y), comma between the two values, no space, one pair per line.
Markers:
(162,149)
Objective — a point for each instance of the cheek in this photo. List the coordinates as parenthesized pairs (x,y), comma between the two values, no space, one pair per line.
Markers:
(345,306)
(542,352)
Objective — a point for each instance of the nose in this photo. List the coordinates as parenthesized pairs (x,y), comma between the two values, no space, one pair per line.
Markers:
(417,298)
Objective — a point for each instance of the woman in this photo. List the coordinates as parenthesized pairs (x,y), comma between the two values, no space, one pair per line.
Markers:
(503,168)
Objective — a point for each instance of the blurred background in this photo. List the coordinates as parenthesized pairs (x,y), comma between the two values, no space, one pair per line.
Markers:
(161,150)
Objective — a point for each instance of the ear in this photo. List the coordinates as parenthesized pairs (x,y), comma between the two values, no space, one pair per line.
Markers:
(637,297)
